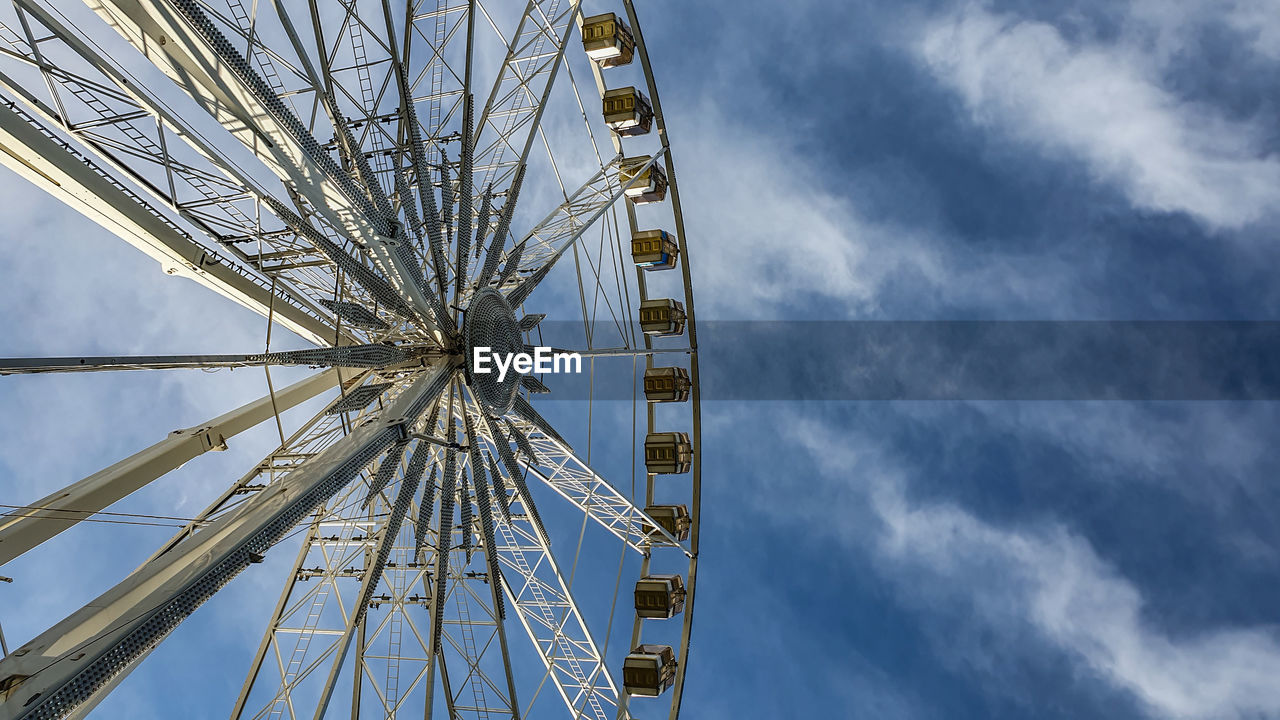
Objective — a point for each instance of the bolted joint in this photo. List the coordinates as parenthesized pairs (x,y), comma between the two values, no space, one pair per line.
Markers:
(208,437)
(401,424)
(10,685)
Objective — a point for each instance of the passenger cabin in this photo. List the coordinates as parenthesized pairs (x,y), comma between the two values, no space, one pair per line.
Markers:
(667,453)
(651,183)
(649,670)
(662,318)
(659,597)
(666,384)
(654,250)
(672,518)
(627,111)
(608,40)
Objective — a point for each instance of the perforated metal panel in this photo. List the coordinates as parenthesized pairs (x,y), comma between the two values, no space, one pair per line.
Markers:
(271,101)
(358,399)
(355,314)
(491,323)
(445,542)
(148,630)
(485,503)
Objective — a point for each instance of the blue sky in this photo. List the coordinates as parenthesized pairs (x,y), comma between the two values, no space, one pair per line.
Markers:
(842,161)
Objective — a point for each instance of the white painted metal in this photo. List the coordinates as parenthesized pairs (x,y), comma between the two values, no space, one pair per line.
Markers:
(68,663)
(176,44)
(357,120)
(45,518)
(50,164)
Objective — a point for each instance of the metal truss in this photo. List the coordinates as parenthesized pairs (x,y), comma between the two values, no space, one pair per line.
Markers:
(363,586)
(50,163)
(560,468)
(201,61)
(556,234)
(64,508)
(118,118)
(509,121)
(73,660)
(550,617)
(368,194)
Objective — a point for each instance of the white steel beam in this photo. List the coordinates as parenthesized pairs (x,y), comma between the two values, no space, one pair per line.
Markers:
(37,155)
(556,234)
(573,479)
(510,118)
(71,662)
(549,614)
(185,45)
(45,518)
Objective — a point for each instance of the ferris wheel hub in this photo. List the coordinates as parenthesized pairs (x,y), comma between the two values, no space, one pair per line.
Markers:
(491,323)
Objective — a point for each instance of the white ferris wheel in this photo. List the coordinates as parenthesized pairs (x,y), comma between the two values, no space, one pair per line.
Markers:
(398,183)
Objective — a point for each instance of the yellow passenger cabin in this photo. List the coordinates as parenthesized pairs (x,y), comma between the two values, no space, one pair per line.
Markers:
(666,384)
(608,40)
(667,453)
(627,111)
(651,182)
(659,597)
(672,518)
(649,670)
(662,318)
(654,250)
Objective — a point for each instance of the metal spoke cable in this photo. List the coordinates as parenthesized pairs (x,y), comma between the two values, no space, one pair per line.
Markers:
(84,515)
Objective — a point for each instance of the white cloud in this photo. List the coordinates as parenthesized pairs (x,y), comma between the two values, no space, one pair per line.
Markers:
(1171,25)
(1044,578)
(770,235)
(1105,106)
(1055,582)
(776,230)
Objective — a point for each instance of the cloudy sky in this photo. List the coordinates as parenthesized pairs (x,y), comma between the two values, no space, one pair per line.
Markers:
(916,160)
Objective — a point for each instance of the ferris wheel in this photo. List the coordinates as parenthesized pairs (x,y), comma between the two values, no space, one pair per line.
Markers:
(406,185)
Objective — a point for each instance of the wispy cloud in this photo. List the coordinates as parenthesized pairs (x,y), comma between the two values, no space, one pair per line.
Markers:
(1104,105)
(1041,578)
(774,237)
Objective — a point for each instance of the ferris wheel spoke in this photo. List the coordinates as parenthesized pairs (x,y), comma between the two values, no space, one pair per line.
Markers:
(26,528)
(499,442)
(473,651)
(311,618)
(572,478)
(203,64)
(474,646)
(417,151)
(388,538)
(68,664)
(511,116)
(549,614)
(532,419)
(364,77)
(379,289)
(466,164)
(348,356)
(339,92)
(79,182)
(444,535)
(494,254)
(556,234)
